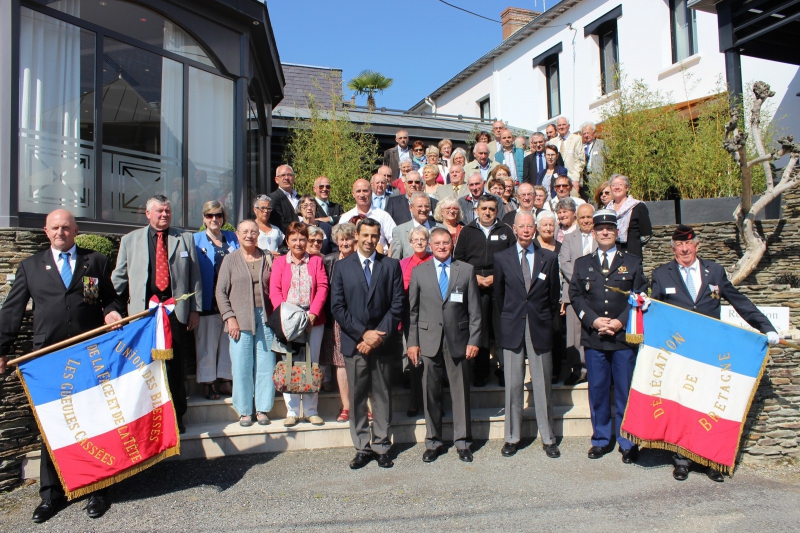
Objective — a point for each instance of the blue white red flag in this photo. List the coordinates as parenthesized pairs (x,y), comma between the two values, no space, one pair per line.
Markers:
(103,405)
(694,381)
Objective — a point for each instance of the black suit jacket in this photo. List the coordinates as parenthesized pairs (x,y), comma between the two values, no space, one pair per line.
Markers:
(358,308)
(391,158)
(529,172)
(538,305)
(397,207)
(591,299)
(669,287)
(335,211)
(639,231)
(283,212)
(58,312)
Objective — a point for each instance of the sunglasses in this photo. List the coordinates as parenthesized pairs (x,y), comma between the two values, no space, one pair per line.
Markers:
(314,241)
(323,186)
(605,193)
(413,182)
(562,186)
(419,150)
(213,215)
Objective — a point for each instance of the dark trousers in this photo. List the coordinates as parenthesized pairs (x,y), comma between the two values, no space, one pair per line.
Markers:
(176,367)
(49,485)
(601,365)
(458,374)
(482,364)
(370,374)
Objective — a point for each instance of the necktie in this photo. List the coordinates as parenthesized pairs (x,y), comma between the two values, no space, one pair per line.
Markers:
(443,281)
(380,202)
(526,269)
(367,273)
(587,243)
(605,266)
(162,268)
(325,207)
(586,151)
(456,188)
(690,283)
(561,148)
(66,271)
(540,162)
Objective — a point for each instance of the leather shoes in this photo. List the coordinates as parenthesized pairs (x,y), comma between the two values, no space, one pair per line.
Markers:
(680,472)
(508,449)
(97,506)
(360,460)
(596,452)
(46,510)
(465,455)
(430,455)
(552,451)
(479,382)
(384,461)
(630,455)
(715,475)
(181,427)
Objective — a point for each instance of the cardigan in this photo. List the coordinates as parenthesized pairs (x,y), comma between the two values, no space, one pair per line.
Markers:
(235,290)
(281,281)
(206,259)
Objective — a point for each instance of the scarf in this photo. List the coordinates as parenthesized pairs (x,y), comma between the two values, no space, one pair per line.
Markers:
(623,217)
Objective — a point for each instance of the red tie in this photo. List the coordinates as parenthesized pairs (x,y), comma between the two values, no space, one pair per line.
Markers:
(162,267)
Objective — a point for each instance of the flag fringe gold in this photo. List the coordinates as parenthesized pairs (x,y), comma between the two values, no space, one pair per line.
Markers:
(161,355)
(634,338)
(661,445)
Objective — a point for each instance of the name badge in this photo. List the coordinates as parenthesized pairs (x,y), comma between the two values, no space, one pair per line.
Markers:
(456,297)
(580,316)
(494,238)
(542,276)
(184,254)
(670,290)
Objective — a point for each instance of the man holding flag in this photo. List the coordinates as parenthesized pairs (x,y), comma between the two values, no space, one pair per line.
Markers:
(698,285)
(72,293)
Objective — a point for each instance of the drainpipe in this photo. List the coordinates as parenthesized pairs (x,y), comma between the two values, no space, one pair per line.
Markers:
(574,72)
(431,102)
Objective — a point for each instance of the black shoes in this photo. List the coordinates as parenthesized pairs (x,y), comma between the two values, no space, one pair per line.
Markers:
(360,460)
(479,382)
(509,450)
(501,377)
(596,452)
(181,427)
(715,475)
(680,472)
(576,377)
(630,455)
(47,509)
(97,506)
(465,455)
(384,461)
(430,455)
(552,451)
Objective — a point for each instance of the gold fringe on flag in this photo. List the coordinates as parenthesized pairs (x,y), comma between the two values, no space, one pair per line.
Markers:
(661,445)
(634,338)
(161,355)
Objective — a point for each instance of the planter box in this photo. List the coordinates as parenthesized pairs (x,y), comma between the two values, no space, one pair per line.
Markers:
(704,210)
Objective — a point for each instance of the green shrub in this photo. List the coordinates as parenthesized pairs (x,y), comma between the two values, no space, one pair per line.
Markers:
(97,243)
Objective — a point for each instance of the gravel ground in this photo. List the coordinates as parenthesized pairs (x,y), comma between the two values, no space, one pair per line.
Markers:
(315,491)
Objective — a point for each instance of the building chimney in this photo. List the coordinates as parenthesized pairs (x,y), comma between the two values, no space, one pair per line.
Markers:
(514,18)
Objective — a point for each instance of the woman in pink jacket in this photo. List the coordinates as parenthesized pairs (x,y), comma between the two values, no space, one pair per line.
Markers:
(300,279)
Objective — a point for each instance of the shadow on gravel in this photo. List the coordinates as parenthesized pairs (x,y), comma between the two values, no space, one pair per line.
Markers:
(171,476)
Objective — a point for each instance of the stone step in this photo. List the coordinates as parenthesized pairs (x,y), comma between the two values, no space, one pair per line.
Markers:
(216,440)
(202,411)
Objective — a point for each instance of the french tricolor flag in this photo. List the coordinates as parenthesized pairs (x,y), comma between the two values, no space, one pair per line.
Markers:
(103,405)
(694,380)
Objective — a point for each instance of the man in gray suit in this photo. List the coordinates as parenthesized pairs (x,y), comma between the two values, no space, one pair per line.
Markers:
(444,332)
(594,150)
(456,188)
(420,207)
(160,261)
(575,245)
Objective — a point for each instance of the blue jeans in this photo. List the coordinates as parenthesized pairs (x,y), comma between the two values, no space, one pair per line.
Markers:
(252,365)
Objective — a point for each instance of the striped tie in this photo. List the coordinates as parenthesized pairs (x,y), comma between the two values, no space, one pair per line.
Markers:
(690,283)
(443,281)
(66,271)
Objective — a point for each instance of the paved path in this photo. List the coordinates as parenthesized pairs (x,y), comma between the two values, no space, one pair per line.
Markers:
(316,491)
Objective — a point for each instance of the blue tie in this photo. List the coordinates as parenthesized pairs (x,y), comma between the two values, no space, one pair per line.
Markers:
(367,273)
(690,283)
(66,271)
(379,202)
(443,281)
(541,163)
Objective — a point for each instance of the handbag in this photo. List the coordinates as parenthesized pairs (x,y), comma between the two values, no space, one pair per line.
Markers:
(295,377)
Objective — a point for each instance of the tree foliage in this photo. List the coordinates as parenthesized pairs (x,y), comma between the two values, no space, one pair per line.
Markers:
(369,82)
(328,144)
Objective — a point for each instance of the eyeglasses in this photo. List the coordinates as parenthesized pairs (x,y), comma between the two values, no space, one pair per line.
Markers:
(413,182)
(419,150)
(419,240)
(315,241)
(286,175)
(213,215)
(605,193)
(321,186)
(562,186)
(264,209)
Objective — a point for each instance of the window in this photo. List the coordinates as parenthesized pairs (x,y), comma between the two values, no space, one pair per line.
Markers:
(553,94)
(485,109)
(683,26)
(605,29)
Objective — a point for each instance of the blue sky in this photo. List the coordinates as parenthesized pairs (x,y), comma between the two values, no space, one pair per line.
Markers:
(419,43)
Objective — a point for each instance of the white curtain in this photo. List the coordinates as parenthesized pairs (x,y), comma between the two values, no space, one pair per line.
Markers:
(56,168)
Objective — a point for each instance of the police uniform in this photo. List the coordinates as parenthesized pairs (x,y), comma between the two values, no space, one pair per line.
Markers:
(609,359)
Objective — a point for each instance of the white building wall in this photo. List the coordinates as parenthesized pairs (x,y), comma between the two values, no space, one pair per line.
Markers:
(517,90)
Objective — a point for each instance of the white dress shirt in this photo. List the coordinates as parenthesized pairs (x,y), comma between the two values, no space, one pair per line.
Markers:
(73,258)
(292,196)
(362,258)
(438,266)
(528,255)
(386,222)
(586,243)
(511,163)
(609,253)
(694,271)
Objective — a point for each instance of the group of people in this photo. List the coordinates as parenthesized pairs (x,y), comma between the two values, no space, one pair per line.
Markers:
(461,270)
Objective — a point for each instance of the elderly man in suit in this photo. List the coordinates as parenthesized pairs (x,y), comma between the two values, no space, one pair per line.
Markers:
(594,151)
(327,211)
(570,146)
(456,188)
(393,155)
(379,182)
(161,261)
(420,208)
(510,156)
(526,289)
(496,145)
(444,332)
(699,285)
(603,314)
(284,199)
(482,162)
(59,280)
(367,302)
(398,205)
(576,244)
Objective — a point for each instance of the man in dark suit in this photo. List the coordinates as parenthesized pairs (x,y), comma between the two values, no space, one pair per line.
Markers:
(392,156)
(398,206)
(367,301)
(526,290)
(327,211)
(284,200)
(444,331)
(534,163)
(603,314)
(63,307)
(699,285)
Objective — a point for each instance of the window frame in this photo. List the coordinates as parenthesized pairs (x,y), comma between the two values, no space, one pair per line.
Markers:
(691,17)
(485,101)
(608,75)
(548,65)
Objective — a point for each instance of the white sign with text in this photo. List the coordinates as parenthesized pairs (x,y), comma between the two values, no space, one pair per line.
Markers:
(779,316)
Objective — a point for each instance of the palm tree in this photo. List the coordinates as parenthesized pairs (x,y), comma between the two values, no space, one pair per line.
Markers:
(369,82)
